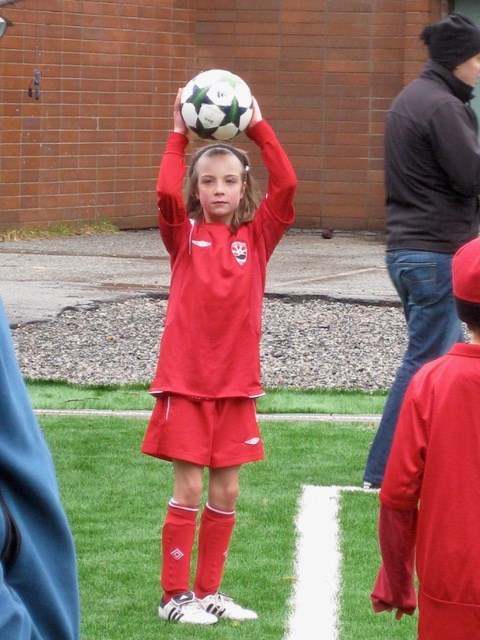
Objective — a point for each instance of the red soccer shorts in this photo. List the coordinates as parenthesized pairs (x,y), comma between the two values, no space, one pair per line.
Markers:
(211,433)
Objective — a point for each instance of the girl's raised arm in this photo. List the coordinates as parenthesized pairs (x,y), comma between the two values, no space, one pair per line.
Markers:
(179,125)
(282,181)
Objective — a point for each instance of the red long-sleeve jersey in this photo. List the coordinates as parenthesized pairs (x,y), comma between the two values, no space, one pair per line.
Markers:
(210,344)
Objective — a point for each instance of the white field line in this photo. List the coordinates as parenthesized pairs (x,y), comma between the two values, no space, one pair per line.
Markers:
(264,417)
(314,603)
(317,417)
(94,412)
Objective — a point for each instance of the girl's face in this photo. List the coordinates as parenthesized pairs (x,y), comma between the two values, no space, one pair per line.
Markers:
(220,186)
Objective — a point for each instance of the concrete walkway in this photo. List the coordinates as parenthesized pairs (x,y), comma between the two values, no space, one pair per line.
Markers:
(40,278)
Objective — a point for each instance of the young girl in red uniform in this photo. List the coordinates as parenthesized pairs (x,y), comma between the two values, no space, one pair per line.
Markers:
(208,372)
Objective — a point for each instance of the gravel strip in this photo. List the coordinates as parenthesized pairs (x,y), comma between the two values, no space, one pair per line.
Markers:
(311,344)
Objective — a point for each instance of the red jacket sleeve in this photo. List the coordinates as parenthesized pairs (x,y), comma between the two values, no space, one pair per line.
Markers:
(399,495)
(394,587)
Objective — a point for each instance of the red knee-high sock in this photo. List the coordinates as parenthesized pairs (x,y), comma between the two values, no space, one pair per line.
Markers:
(178,534)
(216,528)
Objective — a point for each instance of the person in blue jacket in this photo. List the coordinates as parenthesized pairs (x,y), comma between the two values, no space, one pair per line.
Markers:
(39,597)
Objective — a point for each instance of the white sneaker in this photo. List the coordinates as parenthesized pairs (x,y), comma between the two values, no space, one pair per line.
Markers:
(370,486)
(184,608)
(223,606)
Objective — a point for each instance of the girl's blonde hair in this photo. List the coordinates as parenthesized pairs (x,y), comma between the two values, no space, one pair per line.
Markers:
(245,211)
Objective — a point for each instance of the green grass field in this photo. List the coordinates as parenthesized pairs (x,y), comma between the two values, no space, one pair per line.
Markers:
(62,395)
(116,497)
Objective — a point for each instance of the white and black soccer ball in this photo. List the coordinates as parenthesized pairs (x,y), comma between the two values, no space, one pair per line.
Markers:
(217,105)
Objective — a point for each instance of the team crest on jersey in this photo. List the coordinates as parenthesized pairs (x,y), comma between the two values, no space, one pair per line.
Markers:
(239,250)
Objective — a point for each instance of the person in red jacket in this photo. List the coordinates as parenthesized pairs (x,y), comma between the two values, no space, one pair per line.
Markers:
(435,463)
(208,372)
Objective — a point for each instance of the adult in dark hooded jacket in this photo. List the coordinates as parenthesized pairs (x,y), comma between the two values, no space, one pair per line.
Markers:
(432,177)
(38,577)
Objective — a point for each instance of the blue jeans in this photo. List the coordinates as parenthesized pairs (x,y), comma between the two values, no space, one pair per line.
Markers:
(423,280)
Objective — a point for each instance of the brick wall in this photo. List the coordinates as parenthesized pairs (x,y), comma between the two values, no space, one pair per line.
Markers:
(324,73)
(89,147)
